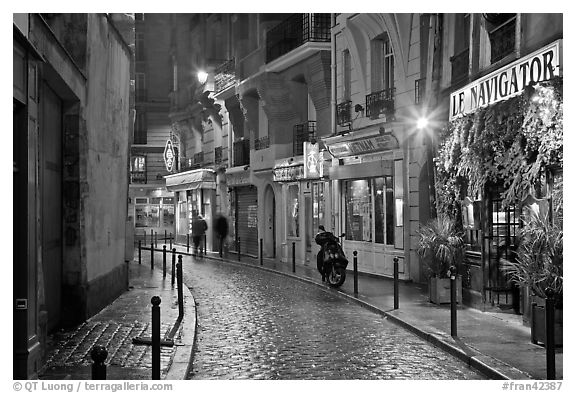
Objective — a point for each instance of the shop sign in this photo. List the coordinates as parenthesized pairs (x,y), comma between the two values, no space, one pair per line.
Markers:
(509,81)
(367,145)
(288,173)
(237,179)
(169,156)
(313,161)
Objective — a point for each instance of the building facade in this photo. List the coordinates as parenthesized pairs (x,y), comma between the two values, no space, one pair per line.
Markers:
(501,125)
(70,129)
(151,204)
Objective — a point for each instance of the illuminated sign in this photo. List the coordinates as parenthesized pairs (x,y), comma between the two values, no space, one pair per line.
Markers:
(377,143)
(313,161)
(509,81)
(169,156)
(288,173)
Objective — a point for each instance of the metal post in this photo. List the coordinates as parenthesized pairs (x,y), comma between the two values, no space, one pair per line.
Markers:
(188,243)
(261,255)
(144,237)
(180,289)
(139,252)
(293,257)
(221,244)
(155,337)
(453,320)
(549,329)
(355,272)
(173,265)
(151,237)
(170,240)
(396,283)
(164,261)
(99,355)
(156,239)
(151,256)
(165,235)
(204,243)
(238,249)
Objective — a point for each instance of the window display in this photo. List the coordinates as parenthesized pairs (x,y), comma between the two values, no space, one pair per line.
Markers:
(293,215)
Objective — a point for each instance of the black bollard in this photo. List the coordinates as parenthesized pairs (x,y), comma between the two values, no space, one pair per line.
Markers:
(180,289)
(151,238)
(396,283)
(156,239)
(139,252)
(293,257)
(453,301)
(170,240)
(165,235)
(549,329)
(99,355)
(144,237)
(355,272)
(188,243)
(238,249)
(155,337)
(204,244)
(173,265)
(221,245)
(261,255)
(164,261)
(151,256)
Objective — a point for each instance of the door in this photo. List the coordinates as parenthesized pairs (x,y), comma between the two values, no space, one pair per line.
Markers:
(51,202)
(270,229)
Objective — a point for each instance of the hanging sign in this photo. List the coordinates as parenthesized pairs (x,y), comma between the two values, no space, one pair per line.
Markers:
(313,161)
(169,156)
(507,82)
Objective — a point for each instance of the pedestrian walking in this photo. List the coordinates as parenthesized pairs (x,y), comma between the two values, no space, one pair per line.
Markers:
(221,229)
(199,228)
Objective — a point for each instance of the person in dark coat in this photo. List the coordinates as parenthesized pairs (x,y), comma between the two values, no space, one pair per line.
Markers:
(199,227)
(221,228)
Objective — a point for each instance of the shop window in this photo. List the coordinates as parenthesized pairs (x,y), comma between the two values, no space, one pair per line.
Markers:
(318,205)
(293,214)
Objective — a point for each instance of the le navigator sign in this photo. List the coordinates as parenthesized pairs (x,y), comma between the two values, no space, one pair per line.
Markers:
(511,80)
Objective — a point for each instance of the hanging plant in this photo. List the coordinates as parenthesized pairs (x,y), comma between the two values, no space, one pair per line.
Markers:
(512,142)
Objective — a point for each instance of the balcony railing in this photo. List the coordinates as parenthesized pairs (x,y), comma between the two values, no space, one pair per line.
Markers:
(304,132)
(218,155)
(241,152)
(225,75)
(460,64)
(138,177)
(262,143)
(343,112)
(502,40)
(294,32)
(381,102)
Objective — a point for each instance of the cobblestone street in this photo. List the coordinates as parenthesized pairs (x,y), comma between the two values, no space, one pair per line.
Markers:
(256,325)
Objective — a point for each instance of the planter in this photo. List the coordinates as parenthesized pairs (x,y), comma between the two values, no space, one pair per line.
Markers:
(538,325)
(439,289)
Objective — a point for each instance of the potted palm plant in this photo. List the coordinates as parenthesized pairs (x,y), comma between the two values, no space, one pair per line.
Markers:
(441,246)
(539,266)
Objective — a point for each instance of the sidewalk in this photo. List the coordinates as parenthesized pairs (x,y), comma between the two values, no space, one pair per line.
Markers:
(116,325)
(496,344)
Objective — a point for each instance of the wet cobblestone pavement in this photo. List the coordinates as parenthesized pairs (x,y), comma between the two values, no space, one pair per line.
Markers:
(254,324)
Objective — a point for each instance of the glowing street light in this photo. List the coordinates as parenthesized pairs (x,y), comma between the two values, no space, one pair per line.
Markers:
(422,123)
(202,76)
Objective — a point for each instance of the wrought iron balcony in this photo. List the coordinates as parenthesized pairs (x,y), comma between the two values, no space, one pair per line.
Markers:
(460,63)
(381,102)
(262,143)
(343,112)
(241,152)
(304,132)
(218,155)
(294,32)
(138,177)
(502,40)
(225,75)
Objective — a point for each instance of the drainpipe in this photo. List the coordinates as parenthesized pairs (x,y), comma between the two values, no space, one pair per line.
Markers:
(333,75)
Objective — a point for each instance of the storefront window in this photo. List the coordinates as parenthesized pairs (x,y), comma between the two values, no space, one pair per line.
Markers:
(293,214)
(361,220)
(318,205)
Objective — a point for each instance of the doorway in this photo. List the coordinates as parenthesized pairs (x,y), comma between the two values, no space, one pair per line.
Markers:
(270,222)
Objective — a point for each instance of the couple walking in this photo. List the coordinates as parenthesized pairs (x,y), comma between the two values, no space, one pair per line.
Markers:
(199,227)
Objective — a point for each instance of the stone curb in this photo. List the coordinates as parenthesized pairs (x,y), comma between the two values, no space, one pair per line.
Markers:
(487,365)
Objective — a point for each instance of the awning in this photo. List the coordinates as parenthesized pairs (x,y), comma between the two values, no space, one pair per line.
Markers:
(191,180)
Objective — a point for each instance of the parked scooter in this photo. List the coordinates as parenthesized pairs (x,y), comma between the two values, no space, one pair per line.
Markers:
(331,261)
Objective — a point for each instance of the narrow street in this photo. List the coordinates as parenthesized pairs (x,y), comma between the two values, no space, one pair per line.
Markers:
(254,324)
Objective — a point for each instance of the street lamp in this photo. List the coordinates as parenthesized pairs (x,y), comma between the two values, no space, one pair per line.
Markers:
(202,76)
